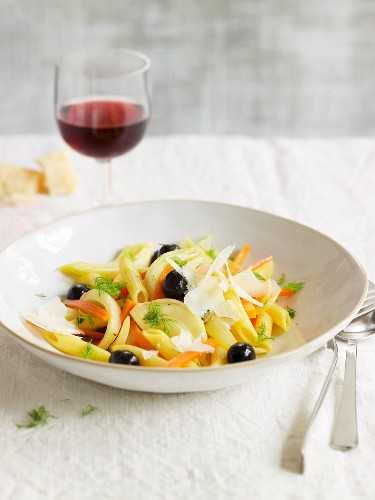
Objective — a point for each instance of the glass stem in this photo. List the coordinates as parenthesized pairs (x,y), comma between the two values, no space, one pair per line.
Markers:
(106,187)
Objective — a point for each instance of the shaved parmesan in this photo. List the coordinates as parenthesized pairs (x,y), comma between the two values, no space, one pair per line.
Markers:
(242,294)
(204,297)
(228,310)
(250,283)
(188,271)
(219,262)
(149,354)
(223,281)
(51,316)
(186,342)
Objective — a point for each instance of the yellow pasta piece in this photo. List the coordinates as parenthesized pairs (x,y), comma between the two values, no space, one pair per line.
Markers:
(161,342)
(133,280)
(189,243)
(75,346)
(122,336)
(114,314)
(260,351)
(266,269)
(140,254)
(107,270)
(219,356)
(280,316)
(142,355)
(242,329)
(88,278)
(263,326)
(164,344)
(219,330)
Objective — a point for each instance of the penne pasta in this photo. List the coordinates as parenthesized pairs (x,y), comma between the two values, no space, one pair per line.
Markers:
(263,327)
(75,346)
(219,330)
(139,254)
(219,357)
(143,355)
(132,278)
(108,270)
(242,329)
(164,345)
(123,334)
(280,316)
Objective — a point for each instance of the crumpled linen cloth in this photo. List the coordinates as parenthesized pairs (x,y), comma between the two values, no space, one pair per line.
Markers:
(235,443)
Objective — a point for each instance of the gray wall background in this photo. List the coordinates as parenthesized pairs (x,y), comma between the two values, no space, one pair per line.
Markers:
(255,67)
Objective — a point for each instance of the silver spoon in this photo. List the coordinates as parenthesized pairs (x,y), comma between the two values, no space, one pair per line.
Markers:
(345,433)
(362,321)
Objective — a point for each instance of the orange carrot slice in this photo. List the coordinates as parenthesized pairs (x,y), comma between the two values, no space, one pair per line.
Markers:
(185,357)
(249,308)
(128,306)
(87,308)
(240,257)
(138,337)
(158,291)
(260,262)
(285,292)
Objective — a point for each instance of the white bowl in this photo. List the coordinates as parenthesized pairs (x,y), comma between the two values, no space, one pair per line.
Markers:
(335,282)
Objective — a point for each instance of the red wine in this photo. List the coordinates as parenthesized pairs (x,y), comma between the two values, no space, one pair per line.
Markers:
(102,128)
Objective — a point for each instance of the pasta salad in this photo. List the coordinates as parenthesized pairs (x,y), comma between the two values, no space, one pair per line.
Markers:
(178,306)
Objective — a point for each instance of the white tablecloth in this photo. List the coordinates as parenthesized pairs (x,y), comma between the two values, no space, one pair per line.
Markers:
(236,443)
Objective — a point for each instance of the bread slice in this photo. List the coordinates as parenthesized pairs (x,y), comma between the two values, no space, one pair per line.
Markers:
(59,176)
(18,184)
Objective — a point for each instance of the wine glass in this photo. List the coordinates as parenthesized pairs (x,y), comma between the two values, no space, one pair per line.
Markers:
(102,105)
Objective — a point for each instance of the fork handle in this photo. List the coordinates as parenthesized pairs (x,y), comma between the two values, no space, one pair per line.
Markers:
(345,434)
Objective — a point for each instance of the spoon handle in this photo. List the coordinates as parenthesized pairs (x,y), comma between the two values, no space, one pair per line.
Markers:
(345,435)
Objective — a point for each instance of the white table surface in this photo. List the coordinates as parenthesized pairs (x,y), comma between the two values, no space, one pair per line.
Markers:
(236,443)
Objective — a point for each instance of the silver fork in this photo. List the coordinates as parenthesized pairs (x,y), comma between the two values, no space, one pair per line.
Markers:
(331,344)
(367,306)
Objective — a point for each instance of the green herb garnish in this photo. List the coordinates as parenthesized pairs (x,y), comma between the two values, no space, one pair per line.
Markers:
(155,319)
(38,416)
(259,276)
(179,261)
(88,410)
(81,317)
(291,312)
(88,350)
(41,295)
(211,253)
(262,333)
(113,288)
(296,286)
(281,280)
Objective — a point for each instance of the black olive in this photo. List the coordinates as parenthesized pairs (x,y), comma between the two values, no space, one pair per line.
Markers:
(124,358)
(76,291)
(174,286)
(163,249)
(240,352)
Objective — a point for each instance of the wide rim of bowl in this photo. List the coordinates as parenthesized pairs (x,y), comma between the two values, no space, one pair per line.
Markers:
(272,360)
